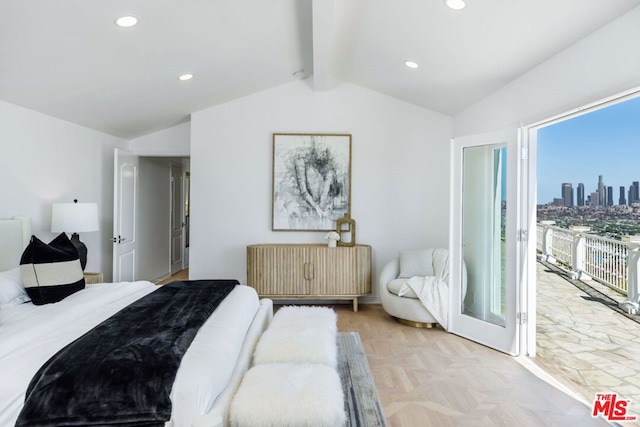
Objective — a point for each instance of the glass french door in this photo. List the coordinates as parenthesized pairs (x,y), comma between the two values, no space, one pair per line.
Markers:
(487,239)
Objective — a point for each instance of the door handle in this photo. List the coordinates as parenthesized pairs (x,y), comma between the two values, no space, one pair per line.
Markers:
(119,239)
(308,271)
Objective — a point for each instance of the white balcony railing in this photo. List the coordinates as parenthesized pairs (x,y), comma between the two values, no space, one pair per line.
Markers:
(562,246)
(606,260)
(612,262)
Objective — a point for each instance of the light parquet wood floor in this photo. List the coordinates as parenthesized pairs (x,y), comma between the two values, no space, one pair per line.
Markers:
(433,378)
(180,275)
(428,377)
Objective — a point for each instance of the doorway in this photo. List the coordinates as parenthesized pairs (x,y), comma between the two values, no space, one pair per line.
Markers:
(586,173)
(161,223)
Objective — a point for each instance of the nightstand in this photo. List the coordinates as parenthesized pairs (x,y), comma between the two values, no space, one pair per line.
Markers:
(90,278)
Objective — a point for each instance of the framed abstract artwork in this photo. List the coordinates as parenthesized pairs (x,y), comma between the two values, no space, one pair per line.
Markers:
(311,181)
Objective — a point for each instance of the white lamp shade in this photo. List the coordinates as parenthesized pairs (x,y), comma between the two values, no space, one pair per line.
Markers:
(74,217)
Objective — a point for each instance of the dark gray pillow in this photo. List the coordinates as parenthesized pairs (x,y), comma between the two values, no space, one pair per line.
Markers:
(51,272)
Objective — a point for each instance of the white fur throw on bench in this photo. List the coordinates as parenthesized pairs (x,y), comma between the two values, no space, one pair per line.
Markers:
(322,318)
(289,395)
(299,335)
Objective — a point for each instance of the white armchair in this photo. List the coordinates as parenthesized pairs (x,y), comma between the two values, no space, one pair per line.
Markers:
(407,309)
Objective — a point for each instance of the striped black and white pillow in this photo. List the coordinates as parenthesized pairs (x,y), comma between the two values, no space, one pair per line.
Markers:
(51,272)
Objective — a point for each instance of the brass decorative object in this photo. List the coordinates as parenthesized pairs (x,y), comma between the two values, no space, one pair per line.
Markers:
(346,226)
(416,324)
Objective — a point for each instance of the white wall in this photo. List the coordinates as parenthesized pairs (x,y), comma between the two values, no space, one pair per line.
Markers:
(47,160)
(603,64)
(173,141)
(400,173)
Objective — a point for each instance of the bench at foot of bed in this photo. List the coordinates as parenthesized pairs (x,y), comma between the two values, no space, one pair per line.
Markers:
(286,394)
(294,381)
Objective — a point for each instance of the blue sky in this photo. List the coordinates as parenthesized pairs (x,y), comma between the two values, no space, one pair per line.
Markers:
(604,142)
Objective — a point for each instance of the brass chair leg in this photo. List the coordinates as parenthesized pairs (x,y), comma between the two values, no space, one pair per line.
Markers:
(416,324)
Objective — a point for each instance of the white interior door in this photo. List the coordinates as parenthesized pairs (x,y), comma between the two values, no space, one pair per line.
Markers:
(485,247)
(177,218)
(125,187)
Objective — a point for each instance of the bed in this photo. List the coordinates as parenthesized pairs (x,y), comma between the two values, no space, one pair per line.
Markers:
(211,368)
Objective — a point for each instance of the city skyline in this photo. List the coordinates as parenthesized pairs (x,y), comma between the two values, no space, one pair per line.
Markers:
(603,143)
(604,195)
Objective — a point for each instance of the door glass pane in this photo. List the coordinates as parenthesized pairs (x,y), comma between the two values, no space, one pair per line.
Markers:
(484,206)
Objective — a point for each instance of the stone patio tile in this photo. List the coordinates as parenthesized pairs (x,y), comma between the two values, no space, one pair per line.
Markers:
(617,331)
(618,370)
(591,358)
(578,347)
(595,347)
(597,377)
(599,346)
(629,352)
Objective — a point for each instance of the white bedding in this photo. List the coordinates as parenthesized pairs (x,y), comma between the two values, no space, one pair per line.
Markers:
(30,334)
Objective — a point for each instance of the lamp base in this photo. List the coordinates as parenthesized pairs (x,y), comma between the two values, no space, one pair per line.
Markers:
(81,248)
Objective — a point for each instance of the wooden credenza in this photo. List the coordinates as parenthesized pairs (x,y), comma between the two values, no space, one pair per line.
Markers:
(290,271)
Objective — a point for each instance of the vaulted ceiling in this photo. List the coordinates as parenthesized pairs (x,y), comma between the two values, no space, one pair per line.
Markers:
(67,59)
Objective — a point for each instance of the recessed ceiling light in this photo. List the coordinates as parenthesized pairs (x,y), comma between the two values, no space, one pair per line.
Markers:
(126,21)
(456,4)
(411,64)
(185,77)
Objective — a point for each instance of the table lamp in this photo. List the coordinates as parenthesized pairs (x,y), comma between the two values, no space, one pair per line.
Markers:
(75,218)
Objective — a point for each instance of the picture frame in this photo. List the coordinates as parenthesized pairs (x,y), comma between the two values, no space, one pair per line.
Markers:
(311,182)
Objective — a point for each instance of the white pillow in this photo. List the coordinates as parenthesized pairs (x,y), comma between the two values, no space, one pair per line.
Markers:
(12,292)
(416,263)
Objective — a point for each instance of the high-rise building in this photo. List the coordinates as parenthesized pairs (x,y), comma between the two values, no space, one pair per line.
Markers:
(633,193)
(594,199)
(567,193)
(580,194)
(609,196)
(622,200)
(602,192)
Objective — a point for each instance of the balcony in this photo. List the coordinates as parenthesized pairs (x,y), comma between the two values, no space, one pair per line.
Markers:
(586,335)
(613,263)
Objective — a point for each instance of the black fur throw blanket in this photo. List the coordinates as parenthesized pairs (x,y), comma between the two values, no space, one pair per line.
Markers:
(121,372)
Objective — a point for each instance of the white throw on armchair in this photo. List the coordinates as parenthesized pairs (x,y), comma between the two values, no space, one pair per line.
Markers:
(398,285)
